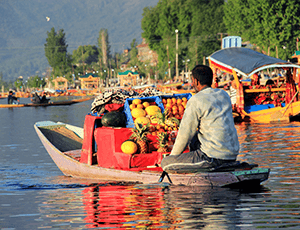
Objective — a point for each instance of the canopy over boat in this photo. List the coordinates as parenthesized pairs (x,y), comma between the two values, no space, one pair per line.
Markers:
(260,102)
(245,61)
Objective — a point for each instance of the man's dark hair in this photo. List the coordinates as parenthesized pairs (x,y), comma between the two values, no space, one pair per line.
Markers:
(203,74)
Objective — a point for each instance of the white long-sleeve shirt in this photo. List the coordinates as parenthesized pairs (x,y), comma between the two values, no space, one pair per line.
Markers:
(209,114)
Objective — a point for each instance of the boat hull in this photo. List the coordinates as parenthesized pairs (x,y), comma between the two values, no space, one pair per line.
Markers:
(56,103)
(72,167)
(274,114)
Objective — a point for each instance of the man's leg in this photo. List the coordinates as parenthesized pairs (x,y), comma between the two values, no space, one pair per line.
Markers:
(194,143)
(190,160)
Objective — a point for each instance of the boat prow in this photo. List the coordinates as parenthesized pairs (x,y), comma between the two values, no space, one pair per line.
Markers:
(64,143)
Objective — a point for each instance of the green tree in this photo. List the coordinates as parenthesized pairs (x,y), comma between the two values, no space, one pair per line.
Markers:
(36,82)
(207,28)
(6,85)
(104,48)
(2,82)
(133,53)
(18,83)
(85,55)
(198,21)
(273,26)
(56,52)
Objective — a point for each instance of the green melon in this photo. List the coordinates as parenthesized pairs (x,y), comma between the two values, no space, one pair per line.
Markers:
(114,119)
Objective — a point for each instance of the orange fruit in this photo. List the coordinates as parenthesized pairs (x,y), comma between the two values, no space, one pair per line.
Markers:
(169,101)
(140,106)
(184,99)
(174,112)
(184,104)
(178,116)
(164,101)
(168,106)
(174,107)
(180,108)
(161,130)
(179,101)
(174,100)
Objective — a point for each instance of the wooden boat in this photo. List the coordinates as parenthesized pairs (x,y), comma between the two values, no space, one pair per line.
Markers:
(51,103)
(257,102)
(93,153)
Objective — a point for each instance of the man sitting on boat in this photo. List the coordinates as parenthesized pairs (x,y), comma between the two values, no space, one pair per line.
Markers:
(39,100)
(207,127)
(11,99)
(44,99)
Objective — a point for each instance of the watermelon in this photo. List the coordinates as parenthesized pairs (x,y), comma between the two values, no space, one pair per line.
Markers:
(114,119)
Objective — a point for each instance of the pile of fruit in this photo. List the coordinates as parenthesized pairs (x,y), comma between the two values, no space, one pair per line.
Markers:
(154,130)
(150,114)
(142,112)
(141,142)
(175,106)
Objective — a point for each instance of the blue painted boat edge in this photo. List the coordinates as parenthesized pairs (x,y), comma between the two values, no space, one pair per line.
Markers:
(45,123)
(252,171)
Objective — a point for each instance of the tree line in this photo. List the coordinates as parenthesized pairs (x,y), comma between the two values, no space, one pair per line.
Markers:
(272,27)
(199,23)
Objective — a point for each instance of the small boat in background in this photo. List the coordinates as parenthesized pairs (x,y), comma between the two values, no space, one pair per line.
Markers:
(51,103)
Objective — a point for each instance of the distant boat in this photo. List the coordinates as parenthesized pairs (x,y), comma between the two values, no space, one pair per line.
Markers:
(51,103)
(264,103)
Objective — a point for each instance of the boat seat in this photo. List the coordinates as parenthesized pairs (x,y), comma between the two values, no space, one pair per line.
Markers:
(208,167)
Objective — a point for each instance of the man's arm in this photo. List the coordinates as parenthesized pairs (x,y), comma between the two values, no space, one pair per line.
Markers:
(187,130)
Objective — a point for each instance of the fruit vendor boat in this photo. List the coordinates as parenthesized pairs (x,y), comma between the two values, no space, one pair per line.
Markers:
(94,152)
(51,103)
(278,101)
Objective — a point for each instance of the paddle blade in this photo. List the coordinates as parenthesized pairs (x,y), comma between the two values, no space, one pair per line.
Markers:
(279,117)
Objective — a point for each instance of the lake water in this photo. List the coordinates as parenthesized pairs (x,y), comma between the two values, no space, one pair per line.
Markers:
(35,195)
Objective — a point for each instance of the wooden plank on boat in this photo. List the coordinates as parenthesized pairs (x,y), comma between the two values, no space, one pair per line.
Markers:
(62,138)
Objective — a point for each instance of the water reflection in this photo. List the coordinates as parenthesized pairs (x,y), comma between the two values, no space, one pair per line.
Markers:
(124,206)
(127,206)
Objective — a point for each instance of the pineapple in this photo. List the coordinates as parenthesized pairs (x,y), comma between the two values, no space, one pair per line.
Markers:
(140,136)
(163,118)
(162,142)
(160,118)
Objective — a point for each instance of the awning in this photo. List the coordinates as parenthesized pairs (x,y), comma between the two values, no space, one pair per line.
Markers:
(245,61)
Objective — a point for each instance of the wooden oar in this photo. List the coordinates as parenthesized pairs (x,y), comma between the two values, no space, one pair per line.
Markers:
(164,173)
(278,116)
